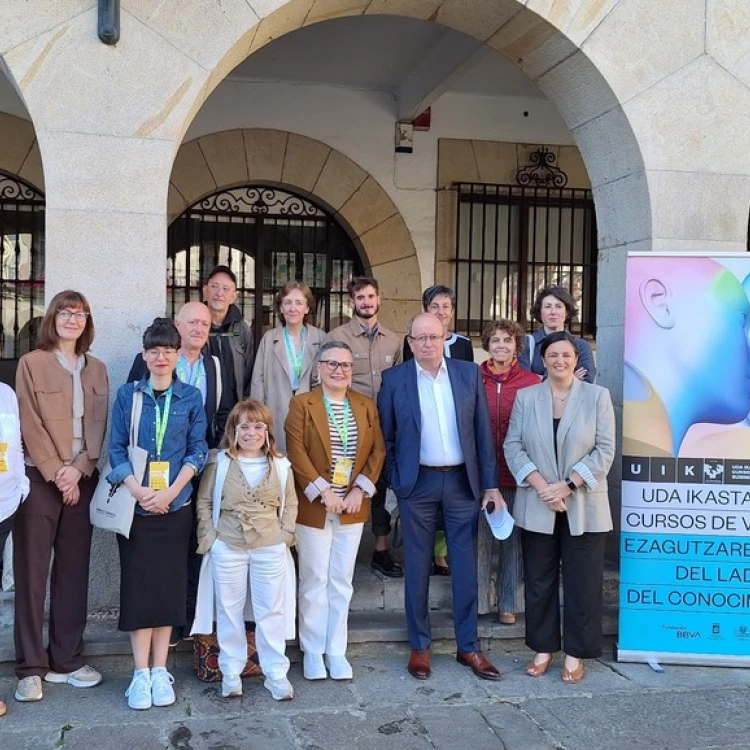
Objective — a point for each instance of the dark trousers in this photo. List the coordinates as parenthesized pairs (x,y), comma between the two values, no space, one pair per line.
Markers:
(582,560)
(44,524)
(381,518)
(449,492)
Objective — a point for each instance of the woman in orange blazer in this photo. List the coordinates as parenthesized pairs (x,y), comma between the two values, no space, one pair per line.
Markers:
(336,448)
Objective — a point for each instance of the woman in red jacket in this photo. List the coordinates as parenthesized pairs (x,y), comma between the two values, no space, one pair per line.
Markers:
(502,377)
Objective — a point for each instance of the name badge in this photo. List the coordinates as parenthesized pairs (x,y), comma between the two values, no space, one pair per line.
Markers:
(3,458)
(342,471)
(158,475)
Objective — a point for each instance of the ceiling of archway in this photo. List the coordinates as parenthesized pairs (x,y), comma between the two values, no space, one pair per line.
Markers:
(382,53)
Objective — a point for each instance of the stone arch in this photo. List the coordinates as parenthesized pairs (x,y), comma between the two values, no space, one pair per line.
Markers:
(234,157)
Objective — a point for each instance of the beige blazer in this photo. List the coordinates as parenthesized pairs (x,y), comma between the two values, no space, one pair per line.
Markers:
(585,444)
(272,383)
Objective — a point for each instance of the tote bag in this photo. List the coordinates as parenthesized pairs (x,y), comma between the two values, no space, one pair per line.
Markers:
(112,506)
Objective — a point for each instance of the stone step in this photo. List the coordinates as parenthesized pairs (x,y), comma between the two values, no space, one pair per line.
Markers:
(374,591)
(365,629)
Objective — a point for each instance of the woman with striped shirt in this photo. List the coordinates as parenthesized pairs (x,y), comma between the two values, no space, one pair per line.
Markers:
(336,448)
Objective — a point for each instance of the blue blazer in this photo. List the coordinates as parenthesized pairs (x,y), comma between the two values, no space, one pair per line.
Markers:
(401,422)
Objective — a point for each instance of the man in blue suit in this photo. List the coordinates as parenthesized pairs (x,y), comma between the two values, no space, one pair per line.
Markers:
(440,456)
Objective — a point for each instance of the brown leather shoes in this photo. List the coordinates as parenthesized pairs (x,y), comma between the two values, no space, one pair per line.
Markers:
(419,664)
(479,663)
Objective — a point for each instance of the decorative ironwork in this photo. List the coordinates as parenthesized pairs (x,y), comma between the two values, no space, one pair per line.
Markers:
(21,269)
(512,241)
(267,236)
(12,189)
(542,172)
(260,201)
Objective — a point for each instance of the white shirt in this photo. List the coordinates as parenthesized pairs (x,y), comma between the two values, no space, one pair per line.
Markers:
(440,445)
(14,484)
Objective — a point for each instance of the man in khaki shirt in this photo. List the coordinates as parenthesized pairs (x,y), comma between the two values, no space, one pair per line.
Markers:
(375,349)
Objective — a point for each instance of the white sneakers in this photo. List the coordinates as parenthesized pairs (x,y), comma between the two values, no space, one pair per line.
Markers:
(339,668)
(231,686)
(139,690)
(162,692)
(281,689)
(313,667)
(84,677)
(29,689)
(150,688)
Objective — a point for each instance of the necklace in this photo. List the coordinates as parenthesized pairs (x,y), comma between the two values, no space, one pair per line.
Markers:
(561,398)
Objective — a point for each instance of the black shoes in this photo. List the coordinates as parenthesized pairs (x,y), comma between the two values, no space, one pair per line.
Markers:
(383,562)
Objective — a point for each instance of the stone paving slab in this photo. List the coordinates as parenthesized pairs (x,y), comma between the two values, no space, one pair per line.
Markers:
(616,706)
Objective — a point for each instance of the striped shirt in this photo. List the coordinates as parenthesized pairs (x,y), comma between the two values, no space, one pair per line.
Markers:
(337,446)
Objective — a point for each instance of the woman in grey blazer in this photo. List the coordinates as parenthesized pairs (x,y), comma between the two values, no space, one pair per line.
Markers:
(285,362)
(560,446)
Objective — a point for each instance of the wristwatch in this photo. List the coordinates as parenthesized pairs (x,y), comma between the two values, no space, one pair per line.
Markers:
(571,484)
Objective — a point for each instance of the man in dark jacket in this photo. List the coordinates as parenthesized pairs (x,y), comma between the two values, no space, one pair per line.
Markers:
(231,338)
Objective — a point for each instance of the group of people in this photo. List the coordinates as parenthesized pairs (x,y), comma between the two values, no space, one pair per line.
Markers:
(248,454)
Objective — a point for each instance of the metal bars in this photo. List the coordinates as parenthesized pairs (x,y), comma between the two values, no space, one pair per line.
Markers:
(267,236)
(513,240)
(21,267)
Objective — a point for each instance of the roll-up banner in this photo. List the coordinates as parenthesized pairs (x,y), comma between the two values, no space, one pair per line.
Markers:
(685,542)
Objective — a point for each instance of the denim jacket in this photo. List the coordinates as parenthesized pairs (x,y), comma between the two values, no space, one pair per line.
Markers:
(184,442)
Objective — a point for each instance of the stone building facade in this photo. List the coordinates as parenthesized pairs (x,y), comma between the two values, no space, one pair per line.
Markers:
(643,102)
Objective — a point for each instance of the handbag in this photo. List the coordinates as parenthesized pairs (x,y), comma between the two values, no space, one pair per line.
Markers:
(112,506)
(206,656)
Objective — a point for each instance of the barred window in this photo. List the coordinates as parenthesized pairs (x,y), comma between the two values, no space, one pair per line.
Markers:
(21,268)
(513,240)
(267,236)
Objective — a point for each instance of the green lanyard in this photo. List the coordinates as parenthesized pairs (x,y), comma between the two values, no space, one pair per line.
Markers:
(295,358)
(162,419)
(342,429)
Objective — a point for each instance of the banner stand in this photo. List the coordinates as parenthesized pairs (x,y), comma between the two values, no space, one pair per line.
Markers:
(685,518)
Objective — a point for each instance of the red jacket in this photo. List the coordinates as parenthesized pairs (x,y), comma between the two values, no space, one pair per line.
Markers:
(501,393)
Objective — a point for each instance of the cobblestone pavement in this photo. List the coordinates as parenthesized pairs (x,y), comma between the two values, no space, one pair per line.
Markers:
(616,706)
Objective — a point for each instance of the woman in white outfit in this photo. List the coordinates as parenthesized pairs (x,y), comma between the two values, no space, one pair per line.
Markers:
(336,448)
(246,511)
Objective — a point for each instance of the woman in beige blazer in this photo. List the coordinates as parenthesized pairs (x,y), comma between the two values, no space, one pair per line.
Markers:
(285,362)
(63,399)
(337,451)
(560,446)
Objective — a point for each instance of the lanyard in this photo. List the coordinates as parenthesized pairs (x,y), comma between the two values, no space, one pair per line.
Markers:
(161,419)
(295,357)
(191,375)
(342,428)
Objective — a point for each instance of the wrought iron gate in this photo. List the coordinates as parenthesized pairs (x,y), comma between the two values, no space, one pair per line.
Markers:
(267,236)
(512,240)
(21,269)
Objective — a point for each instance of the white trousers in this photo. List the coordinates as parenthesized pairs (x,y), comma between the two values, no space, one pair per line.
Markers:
(264,569)
(326,568)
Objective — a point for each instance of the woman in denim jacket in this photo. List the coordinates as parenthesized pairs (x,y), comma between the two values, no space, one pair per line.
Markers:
(153,560)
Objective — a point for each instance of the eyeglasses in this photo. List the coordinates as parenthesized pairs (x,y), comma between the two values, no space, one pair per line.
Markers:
(333,365)
(79,315)
(161,352)
(421,340)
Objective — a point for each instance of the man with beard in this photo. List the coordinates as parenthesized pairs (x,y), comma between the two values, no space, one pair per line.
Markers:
(231,338)
(375,348)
